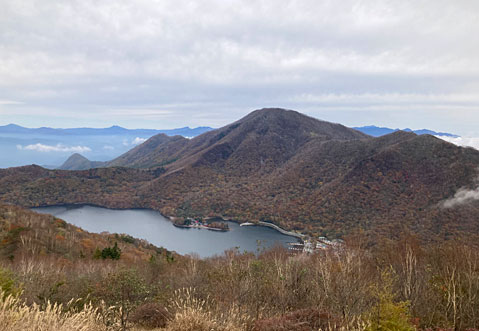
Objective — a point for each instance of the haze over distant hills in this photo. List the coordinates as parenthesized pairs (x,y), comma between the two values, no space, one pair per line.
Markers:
(113,130)
(48,146)
(376,131)
(371,130)
(284,167)
(51,147)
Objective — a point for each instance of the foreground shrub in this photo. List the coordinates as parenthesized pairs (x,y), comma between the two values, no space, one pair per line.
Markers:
(122,291)
(388,315)
(151,315)
(8,285)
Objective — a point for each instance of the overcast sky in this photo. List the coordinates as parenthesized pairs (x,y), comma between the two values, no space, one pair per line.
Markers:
(165,64)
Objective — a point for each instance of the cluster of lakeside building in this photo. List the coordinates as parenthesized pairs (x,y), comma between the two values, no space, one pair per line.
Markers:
(306,245)
(315,245)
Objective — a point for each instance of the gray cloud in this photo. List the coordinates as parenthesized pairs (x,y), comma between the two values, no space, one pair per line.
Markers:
(169,63)
(463,196)
(138,141)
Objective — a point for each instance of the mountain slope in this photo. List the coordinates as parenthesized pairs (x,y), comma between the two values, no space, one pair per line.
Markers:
(263,140)
(336,187)
(30,235)
(279,166)
(156,151)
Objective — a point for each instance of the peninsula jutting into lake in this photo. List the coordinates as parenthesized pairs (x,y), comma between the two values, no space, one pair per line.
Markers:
(200,224)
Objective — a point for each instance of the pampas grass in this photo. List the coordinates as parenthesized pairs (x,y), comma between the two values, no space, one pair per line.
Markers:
(15,315)
(194,314)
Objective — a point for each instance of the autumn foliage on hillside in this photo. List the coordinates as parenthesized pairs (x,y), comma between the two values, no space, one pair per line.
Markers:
(402,284)
(279,166)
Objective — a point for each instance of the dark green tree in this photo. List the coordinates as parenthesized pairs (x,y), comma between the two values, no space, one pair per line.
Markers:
(113,253)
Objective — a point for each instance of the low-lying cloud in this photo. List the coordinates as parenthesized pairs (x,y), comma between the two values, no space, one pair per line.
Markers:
(462,141)
(134,142)
(462,197)
(138,141)
(54,148)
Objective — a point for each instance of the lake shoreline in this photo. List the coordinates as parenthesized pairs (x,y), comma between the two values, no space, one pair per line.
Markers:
(152,226)
(198,227)
(172,218)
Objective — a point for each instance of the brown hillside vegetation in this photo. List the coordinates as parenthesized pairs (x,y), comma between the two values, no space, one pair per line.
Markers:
(263,139)
(157,151)
(280,166)
(59,284)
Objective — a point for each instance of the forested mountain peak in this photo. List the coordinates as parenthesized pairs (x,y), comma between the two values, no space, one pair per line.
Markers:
(264,138)
(280,166)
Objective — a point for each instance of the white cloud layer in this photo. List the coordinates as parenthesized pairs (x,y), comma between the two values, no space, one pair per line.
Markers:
(138,141)
(463,196)
(174,63)
(54,148)
(133,142)
(462,141)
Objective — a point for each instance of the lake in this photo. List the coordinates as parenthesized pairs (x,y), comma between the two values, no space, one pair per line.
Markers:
(158,230)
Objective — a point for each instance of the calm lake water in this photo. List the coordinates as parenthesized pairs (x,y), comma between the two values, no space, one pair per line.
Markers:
(158,230)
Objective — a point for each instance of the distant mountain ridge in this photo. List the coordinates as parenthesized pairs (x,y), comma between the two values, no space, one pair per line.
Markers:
(79,162)
(376,131)
(281,166)
(371,130)
(113,130)
(161,149)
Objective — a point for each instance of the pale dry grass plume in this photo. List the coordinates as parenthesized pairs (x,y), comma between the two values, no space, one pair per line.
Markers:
(15,315)
(194,314)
